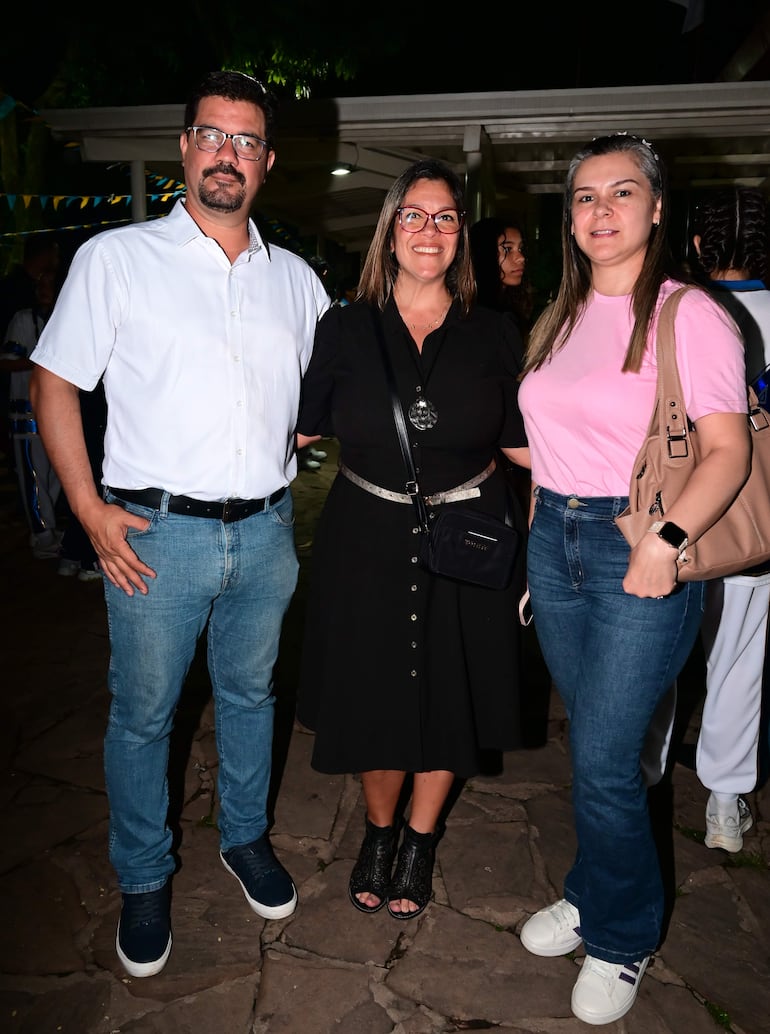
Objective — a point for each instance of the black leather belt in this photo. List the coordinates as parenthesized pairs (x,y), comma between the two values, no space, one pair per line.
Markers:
(228,511)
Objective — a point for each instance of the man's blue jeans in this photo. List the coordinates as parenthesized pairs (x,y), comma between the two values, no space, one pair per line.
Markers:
(238,577)
(612,657)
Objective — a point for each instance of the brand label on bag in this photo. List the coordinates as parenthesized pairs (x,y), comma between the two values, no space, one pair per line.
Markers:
(478,542)
(470,546)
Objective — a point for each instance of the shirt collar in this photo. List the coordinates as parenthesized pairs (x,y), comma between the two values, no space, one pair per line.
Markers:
(184,229)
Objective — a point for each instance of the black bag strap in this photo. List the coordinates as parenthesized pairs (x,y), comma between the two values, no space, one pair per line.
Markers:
(412,486)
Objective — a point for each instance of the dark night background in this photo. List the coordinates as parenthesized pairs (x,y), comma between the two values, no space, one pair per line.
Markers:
(90,56)
(72,57)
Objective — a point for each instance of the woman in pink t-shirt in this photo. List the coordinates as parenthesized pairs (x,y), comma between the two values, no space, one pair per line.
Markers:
(614,625)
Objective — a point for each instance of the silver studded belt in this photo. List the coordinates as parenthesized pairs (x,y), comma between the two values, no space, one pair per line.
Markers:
(467,490)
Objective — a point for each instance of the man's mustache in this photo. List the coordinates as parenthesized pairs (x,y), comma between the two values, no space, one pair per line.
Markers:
(228,169)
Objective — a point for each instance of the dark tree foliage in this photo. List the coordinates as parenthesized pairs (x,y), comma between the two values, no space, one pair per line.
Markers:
(82,59)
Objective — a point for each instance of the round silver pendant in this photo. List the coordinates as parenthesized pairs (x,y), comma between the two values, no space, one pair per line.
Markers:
(423,414)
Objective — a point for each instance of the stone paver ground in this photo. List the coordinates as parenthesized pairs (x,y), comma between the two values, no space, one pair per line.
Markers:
(328,969)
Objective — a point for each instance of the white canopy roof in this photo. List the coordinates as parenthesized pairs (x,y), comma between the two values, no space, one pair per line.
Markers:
(513,147)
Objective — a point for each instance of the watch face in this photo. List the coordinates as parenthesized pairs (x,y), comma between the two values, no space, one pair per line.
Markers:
(673,534)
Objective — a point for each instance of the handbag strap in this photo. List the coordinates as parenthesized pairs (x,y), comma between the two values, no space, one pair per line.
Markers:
(412,486)
(669,416)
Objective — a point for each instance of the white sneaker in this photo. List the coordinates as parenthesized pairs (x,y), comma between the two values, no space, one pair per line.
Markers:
(605,991)
(726,831)
(552,931)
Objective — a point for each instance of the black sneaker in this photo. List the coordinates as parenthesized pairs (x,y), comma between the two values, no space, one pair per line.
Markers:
(267,886)
(143,942)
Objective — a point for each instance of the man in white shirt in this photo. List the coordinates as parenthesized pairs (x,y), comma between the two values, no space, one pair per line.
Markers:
(202,333)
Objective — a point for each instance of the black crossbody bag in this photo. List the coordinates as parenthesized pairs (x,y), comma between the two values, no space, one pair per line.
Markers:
(456,543)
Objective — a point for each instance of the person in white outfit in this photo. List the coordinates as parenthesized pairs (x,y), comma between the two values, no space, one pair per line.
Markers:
(732,244)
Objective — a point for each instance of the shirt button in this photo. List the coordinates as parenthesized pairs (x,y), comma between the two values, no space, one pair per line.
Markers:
(412,617)
(414,645)
(236,358)
(415,531)
(413,673)
(414,559)
(414,588)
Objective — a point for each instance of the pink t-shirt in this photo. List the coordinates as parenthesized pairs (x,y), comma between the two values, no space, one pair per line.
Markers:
(586,420)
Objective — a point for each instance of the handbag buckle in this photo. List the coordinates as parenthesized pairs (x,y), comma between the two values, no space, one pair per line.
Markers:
(678,448)
(758,418)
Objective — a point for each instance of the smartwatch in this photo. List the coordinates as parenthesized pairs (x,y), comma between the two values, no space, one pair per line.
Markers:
(671,534)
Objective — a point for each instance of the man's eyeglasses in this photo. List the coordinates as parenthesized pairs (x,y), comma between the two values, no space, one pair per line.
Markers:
(245,145)
(413,219)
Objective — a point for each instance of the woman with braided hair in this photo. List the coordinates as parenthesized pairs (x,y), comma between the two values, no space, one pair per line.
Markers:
(732,243)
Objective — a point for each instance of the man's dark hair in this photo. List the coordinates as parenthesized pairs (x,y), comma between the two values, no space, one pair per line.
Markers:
(234,86)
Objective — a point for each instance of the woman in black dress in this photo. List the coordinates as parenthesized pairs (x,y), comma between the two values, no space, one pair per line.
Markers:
(405,672)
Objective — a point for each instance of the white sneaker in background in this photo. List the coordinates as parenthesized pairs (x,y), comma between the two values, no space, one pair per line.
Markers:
(726,829)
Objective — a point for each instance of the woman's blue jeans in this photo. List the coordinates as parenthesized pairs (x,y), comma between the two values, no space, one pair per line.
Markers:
(612,657)
(238,578)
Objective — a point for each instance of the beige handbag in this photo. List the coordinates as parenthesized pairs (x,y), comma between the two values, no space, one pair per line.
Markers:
(740,539)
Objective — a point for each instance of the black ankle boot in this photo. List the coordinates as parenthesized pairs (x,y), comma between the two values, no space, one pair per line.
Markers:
(413,878)
(371,873)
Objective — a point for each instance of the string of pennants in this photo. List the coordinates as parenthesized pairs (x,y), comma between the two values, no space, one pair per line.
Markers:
(164,190)
(82,201)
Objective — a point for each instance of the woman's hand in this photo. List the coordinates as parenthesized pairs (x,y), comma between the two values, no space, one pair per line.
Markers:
(715,482)
(304,440)
(652,568)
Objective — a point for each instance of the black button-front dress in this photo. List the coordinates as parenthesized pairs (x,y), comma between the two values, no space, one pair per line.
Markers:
(402,669)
